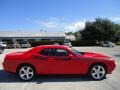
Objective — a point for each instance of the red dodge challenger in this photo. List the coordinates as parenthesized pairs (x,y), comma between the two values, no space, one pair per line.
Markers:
(58,59)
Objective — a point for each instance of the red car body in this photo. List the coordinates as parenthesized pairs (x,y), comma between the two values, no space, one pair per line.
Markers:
(74,63)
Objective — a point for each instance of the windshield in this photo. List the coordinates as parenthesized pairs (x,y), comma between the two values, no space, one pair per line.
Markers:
(77,52)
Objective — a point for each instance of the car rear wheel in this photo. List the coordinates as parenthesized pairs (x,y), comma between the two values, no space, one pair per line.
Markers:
(26,72)
(97,72)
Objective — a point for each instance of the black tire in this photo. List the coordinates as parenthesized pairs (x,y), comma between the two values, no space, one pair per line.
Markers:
(97,72)
(26,72)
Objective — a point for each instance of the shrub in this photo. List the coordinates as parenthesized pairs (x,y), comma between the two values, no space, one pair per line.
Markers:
(84,43)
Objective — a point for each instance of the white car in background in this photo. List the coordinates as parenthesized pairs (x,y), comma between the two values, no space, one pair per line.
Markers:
(25,45)
(3,44)
(1,49)
(108,44)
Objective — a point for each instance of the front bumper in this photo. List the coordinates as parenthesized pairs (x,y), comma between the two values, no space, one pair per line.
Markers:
(111,67)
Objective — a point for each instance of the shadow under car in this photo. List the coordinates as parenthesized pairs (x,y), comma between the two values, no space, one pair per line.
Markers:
(6,77)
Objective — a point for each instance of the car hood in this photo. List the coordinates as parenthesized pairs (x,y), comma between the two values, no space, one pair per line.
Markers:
(94,55)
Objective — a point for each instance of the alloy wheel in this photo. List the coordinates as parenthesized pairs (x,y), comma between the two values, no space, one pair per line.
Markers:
(98,72)
(26,72)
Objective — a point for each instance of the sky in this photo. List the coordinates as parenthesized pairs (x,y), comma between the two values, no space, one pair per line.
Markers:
(55,15)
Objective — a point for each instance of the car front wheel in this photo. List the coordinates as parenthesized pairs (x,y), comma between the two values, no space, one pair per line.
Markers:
(97,72)
(26,72)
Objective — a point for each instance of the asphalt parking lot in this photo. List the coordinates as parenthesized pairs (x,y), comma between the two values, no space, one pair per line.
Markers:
(112,82)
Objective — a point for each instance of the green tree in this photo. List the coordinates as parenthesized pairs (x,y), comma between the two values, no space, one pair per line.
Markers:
(77,36)
(99,30)
(117,34)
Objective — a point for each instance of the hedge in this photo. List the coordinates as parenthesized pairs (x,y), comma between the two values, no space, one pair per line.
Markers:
(84,43)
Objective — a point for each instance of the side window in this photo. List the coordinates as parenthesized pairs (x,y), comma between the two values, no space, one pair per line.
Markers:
(61,52)
(45,52)
(54,52)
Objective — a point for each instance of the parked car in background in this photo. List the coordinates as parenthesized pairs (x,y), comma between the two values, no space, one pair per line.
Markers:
(13,45)
(10,44)
(3,44)
(58,59)
(25,45)
(68,43)
(1,49)
(108,44)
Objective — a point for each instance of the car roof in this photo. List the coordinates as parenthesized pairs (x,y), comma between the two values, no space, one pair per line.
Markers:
(53,46)
(37,48)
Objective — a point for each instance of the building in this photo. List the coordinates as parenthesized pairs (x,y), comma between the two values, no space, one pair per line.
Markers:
(30,36)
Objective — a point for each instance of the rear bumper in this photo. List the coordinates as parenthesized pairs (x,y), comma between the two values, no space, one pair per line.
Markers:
(8,68)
